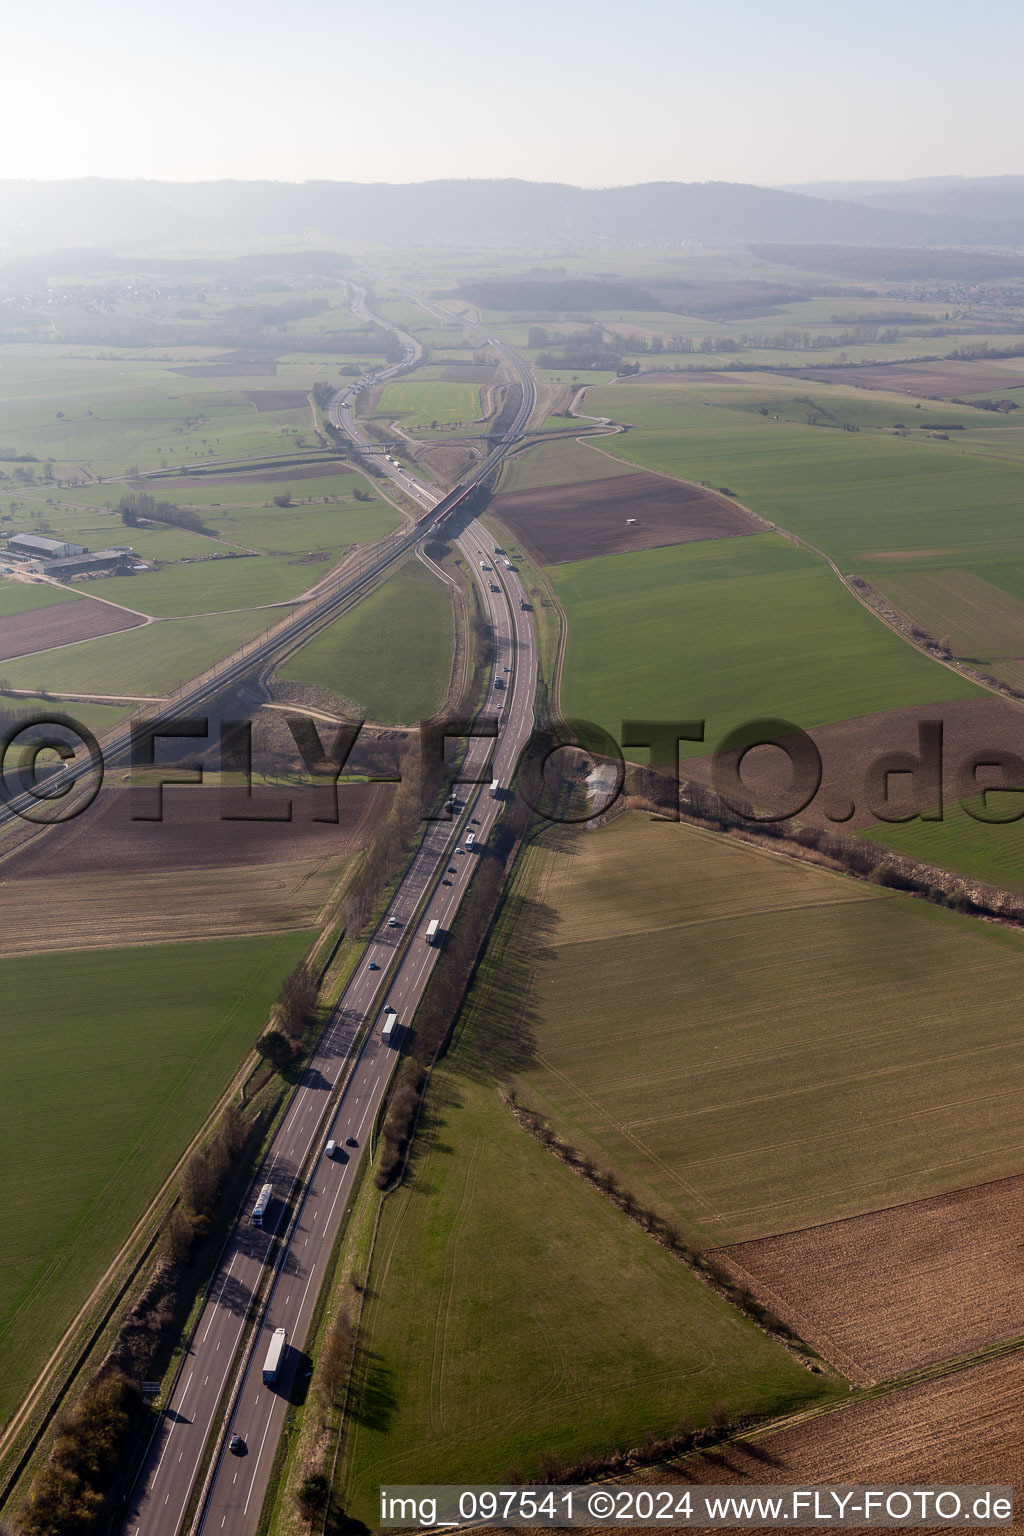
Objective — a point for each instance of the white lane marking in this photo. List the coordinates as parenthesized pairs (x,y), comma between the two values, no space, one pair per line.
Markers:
(216,1304)
(170,1432)
(256,1464)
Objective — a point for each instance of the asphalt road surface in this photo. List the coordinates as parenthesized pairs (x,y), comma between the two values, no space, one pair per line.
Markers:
(234,1497)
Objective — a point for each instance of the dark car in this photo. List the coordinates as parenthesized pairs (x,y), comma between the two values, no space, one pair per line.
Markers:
(446,882)
(452,870)
(373,966)
(236,1445)
(350,1141)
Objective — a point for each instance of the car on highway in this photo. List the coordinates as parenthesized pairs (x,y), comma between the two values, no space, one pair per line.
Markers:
(452,870)
(237,1446)
(446,882)
(373,966)
(350,1141)
(392,922)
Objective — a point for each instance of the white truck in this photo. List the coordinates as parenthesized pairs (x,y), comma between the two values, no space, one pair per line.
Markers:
(470,840)
(432,930)
(259,1210)
(275,1354)
(387,1034)
(495,789)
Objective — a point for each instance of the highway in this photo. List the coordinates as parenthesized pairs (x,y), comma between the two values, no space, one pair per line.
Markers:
(330,596)
(232,1497)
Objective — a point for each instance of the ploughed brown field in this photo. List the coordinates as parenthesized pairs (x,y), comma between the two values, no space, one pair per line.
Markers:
(62,623)
(848,748)
(276,399)
(469,373)
(195,835)
(929,379)
(587,518)
(886,1293)
(103,879)
(961,1428)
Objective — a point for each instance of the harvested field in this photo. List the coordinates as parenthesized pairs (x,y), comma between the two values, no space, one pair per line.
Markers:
(848,748)
(767,1047)
(277,399)
(932,380)
(104,879)
(157,907)
(583,519)
(61,624)
(887,1293)
(961,1428)
(193,836)
(449,462)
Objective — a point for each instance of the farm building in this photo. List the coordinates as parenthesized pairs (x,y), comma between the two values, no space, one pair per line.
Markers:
(105,561)
(30,546)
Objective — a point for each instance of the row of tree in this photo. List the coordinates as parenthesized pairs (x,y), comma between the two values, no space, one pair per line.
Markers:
(140,506)
(294,1013)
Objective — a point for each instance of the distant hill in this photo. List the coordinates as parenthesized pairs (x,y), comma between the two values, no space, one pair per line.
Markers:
(984,199)
(134,217)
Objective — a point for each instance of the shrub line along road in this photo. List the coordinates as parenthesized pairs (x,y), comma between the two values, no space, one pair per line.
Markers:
(232,1499)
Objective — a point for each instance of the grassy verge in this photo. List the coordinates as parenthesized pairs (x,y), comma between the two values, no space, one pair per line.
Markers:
(524,1319)
(391,656)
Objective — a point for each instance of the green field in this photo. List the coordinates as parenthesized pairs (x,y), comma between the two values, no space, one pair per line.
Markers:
(513,1312)
(134,408)
(95,717)
(421,402)
(150,660)
(391,656)
(989,851)
(859,496)
(23,596)
(731,630)
(756,1045)
(971,610)
(213,586)
(559,463)
(110,1061)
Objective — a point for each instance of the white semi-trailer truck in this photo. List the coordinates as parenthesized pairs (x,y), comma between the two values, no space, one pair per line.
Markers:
(275,1354)
(432,930)
(260,1208)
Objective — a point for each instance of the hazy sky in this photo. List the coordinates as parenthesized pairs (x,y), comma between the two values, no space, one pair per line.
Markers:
(587,91)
